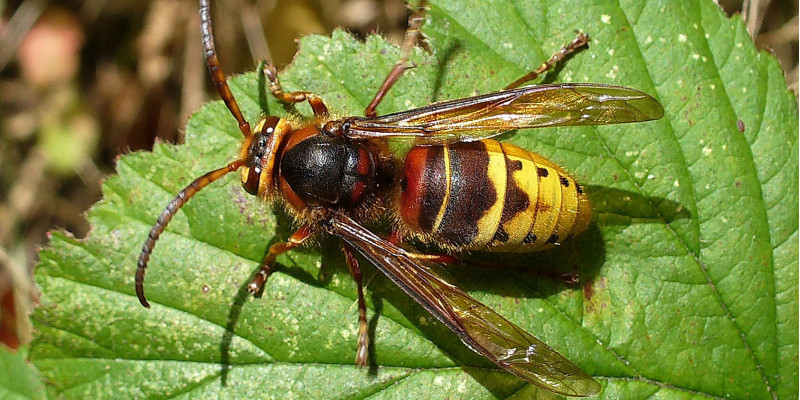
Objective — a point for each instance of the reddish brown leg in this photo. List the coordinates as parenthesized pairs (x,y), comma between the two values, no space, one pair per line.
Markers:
(362,350)
(442,258)
(409,42)
(569,278)
(437,258)
(316,103)
(580,40)
(274,251)
(395,238)
(216,70)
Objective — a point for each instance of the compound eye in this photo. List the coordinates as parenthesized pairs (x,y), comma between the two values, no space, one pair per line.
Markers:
(250,185)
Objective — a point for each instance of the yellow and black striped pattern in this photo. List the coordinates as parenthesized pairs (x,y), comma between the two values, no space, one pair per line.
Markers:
(487,195)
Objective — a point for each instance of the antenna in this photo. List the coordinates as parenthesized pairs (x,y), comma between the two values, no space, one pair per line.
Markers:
(172,208)
(216,70)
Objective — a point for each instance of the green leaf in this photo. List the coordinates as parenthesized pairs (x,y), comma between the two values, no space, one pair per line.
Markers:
(690,266)
(18,379)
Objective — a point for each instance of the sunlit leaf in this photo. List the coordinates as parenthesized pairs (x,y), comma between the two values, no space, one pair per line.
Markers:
(690,268)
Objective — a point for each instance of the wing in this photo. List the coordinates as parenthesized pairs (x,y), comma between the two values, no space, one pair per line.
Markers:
(478,326)
(481,117)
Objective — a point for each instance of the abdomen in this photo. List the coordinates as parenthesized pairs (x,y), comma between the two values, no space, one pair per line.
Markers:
(491,196)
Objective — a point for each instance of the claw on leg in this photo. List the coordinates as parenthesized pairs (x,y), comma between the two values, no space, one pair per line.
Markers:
(297,239)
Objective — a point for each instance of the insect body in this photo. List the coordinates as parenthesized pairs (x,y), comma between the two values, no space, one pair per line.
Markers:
(493,196)
(456,188)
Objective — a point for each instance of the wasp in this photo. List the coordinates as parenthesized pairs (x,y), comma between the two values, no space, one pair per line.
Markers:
(456,188)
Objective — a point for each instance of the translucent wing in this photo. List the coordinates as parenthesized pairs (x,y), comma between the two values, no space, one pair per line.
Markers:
(478,326)
(481,117)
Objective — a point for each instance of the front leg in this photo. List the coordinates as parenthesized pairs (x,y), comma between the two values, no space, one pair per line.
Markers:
(316,103)
(297,239)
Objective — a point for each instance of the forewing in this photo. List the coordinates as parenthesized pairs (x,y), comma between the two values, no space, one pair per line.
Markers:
(481,117)
(478,326)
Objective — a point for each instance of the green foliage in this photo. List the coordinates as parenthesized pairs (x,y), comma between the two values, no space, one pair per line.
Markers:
(19,380)
(690,267)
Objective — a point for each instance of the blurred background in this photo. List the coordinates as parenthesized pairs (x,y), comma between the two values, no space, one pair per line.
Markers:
(86,80)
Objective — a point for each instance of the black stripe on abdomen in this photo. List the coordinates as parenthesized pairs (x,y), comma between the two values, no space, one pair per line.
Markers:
(471,194)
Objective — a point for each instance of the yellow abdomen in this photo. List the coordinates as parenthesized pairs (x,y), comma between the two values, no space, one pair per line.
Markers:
(490,196)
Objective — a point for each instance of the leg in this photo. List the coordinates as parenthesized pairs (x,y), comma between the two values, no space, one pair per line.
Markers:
(396,238)
(362,350)
(580,40)
(411,38)
(569,278)
(316,103)
(274,251)
(442,258)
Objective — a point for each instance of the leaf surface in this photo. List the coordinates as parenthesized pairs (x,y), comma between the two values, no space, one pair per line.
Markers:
(689,269)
